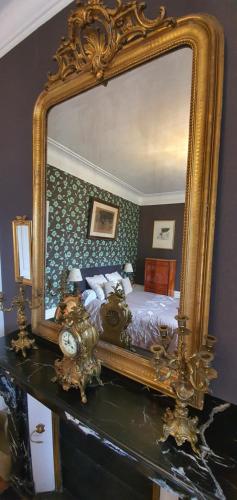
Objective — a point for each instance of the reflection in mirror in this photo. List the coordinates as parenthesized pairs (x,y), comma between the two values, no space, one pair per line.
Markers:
(116,178)
(21,229)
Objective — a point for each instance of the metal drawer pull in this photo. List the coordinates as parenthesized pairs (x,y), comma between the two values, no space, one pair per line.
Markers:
(39,429)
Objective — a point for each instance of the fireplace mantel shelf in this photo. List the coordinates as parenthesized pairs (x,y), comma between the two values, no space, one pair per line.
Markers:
(126,418)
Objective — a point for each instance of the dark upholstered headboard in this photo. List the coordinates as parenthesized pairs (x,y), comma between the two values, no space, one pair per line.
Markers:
(91,271)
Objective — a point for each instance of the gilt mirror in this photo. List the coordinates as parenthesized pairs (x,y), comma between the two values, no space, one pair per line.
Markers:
(129,126)
(22,243)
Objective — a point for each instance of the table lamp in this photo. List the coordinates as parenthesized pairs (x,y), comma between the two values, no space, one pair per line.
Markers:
(128,269)
(74,277)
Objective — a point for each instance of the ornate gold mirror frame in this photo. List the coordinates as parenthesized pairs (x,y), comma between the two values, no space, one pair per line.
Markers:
(101,44)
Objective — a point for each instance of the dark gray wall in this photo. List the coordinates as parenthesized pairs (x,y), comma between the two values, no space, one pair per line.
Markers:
(148,214)
(22,75)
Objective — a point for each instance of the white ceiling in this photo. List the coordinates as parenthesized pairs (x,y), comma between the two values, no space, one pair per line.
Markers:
(135,129)
(19,18)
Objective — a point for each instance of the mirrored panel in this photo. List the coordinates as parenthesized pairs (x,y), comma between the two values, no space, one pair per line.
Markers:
(115,182)
(22,243)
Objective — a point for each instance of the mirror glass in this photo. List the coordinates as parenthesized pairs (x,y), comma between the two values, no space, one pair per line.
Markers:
(115,182)
(21,228)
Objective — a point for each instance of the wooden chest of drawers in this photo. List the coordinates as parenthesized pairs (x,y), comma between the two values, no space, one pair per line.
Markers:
(160,276)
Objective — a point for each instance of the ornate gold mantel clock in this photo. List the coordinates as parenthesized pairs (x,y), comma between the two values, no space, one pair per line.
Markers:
(116,317)
(77,340)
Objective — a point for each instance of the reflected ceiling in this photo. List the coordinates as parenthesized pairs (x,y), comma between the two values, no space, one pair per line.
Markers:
(137,127)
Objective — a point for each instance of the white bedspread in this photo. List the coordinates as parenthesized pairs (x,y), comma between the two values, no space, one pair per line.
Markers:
(149,310)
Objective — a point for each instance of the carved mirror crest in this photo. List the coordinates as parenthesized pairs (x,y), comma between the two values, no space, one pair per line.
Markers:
(137,104)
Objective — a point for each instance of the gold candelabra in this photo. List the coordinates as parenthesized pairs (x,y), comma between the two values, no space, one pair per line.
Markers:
(188,374)
(19,302)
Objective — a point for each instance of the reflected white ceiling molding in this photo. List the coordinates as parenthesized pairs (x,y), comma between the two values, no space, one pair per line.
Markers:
(65,159)
(163,198)
(19,18)
(68,161)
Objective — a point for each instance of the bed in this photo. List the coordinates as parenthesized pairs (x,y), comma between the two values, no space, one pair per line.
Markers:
(149,310)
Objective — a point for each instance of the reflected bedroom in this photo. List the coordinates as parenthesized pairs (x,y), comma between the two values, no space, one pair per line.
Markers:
(115,203)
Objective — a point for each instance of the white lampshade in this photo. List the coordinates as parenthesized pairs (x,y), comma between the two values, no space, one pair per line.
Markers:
(75,275)
(128,267)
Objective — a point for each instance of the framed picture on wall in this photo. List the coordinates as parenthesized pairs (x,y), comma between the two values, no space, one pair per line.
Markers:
(103,220)
(163,234)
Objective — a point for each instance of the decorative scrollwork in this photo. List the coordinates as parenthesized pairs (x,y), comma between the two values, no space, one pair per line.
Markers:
(96,33)
(116,317)
(19,302)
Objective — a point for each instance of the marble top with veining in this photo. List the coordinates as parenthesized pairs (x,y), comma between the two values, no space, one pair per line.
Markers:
(127,418)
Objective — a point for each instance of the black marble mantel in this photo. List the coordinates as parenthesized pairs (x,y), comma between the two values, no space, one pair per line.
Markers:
(126,418)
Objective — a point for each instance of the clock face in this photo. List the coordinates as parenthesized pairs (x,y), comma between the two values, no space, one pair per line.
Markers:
(68,343)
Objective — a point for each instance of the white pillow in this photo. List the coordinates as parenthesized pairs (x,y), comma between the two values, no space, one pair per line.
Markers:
(108,288)
(88,296)
(96,283)
(99,292)
(127,286)
(97,279)
(115,277)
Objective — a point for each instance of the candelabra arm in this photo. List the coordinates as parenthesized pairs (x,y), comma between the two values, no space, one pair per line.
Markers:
(6,309)
(200,372)
(165,363)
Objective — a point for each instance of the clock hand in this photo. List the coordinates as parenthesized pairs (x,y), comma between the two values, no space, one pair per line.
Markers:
(66,341)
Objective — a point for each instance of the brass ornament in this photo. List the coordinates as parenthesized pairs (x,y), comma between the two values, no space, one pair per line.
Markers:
(23,341)
(39,429)
(178,424)
(96,33)
(78,371)
(190,374)
(66,306)
(116,317)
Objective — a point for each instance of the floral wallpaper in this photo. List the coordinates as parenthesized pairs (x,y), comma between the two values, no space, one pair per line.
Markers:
(67,243)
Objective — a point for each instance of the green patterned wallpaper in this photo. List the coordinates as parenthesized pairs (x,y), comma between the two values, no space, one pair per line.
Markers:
(67,242)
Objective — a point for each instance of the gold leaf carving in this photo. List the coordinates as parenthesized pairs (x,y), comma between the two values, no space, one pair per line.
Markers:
(96,33)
